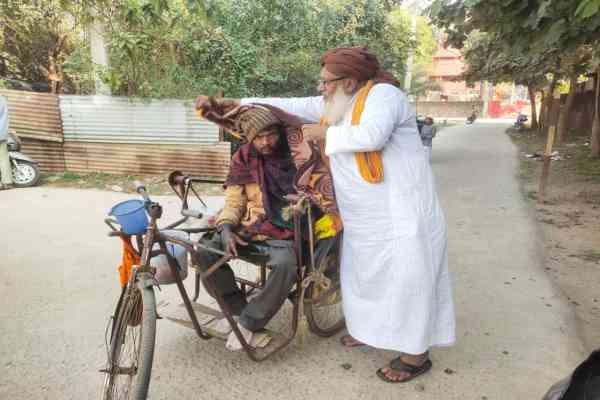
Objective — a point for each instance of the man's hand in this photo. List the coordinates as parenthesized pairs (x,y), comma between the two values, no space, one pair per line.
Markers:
(314,132)
(203,102)
(230,240)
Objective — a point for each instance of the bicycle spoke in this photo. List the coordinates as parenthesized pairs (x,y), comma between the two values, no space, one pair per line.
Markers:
(125,353)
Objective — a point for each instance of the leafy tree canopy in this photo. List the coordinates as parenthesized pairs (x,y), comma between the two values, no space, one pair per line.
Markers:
(178,48)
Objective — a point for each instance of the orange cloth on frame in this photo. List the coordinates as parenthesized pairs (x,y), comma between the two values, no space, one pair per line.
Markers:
(370,164)
(130,257)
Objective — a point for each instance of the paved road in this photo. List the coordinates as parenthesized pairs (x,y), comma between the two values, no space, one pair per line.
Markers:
(515,333)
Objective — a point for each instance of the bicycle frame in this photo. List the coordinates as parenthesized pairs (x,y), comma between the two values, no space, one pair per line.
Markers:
(144,274)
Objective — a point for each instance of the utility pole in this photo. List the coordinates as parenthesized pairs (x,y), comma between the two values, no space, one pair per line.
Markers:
(98,50)
(410,60)
(412,8)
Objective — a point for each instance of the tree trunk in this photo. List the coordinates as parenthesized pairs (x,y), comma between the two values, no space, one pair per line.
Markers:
(595,138)
(563,119)
(55,58)
(542,111)
(534,123)
(547,106)
(53,78)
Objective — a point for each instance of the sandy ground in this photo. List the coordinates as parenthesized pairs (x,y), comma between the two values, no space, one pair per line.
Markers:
(570,222)
(516,331)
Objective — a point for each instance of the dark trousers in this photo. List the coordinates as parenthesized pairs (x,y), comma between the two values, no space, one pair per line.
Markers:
(283,275)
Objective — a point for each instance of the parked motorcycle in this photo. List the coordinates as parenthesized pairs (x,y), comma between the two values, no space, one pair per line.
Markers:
(25,171)
(471,118)
(520,122)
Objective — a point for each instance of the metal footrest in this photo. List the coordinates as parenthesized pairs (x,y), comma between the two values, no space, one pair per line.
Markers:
(209,318)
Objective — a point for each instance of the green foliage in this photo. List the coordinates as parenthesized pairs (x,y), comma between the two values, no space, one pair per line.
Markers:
(420,85)
(245,47)
(179,48)
(37,38)
(538,43)
(79,69)
(426,42)
(524,41)
(588,8)
(28,31)
(399,36)
(529,26)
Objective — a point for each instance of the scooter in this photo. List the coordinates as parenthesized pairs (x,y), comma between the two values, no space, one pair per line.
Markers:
(520,122)
(25,171)
(471,118)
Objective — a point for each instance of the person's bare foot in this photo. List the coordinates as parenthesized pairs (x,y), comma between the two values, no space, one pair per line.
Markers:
(349,341)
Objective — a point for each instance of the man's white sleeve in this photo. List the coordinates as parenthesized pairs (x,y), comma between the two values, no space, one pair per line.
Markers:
(386,108)
(310,108)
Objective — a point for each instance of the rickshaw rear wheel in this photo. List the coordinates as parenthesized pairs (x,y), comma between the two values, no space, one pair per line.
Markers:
(131,346)
(323,299)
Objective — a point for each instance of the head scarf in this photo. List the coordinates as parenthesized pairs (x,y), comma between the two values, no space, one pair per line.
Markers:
(254,120)
(312,177)
(358,63)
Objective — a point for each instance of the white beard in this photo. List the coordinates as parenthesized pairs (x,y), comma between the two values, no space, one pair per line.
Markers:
(337,106)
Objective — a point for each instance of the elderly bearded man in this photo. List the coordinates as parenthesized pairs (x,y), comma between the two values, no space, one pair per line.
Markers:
(394,270)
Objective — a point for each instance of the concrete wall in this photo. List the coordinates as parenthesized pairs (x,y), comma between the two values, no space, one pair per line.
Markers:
(448,109)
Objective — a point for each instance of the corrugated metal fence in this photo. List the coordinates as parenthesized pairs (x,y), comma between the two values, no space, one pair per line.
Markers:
(36,119)
(122,120)
(116,135)
(34,115)
(207,161)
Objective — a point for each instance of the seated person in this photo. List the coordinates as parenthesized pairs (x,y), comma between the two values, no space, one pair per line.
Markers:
(261,174)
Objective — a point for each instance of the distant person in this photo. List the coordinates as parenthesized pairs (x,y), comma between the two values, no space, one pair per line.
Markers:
(521,119)
(428,132)
(5,169)
(471,118)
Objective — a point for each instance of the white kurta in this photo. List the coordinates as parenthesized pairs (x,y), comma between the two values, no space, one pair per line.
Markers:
(394,270)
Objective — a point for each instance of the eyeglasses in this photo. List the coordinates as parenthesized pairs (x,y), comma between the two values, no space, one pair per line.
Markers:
(326,82)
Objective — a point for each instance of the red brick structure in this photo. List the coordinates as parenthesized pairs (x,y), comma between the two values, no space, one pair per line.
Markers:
(447,67)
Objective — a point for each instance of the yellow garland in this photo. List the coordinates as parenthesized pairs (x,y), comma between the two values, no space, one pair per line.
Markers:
(369,163)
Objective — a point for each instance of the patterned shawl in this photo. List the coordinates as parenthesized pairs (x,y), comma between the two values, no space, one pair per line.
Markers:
(312,178)
(274,175)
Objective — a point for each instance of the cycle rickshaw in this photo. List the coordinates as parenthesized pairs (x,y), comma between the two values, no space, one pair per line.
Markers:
(131,332)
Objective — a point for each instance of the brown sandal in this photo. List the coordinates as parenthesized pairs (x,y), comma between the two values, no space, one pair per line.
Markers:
(400,366)
(349,341)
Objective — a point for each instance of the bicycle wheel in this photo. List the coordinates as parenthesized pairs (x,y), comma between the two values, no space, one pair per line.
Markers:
(323,301)
(131,346)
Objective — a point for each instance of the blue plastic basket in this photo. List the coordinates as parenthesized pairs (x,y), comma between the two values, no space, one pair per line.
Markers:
(131,215)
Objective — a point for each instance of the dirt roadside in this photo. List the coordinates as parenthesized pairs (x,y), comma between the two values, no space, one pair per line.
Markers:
(155,184)
(570,223)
